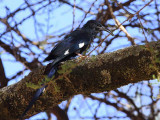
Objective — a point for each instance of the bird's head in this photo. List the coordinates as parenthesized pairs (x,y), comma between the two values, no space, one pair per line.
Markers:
(96,26)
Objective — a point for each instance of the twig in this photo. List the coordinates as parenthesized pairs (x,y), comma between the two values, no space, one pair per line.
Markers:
(73,15)
(118,23)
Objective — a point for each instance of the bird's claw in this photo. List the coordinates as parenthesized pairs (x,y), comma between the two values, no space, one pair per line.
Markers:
(82,56)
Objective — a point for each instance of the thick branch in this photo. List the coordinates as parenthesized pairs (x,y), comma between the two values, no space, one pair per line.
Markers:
(95,74)
(3,80)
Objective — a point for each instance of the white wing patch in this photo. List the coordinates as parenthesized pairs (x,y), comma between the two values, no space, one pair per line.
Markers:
(81,45)
(43,90)
(66,52)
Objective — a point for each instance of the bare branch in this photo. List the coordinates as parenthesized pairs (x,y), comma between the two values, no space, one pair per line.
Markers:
(119,24)
(30,66)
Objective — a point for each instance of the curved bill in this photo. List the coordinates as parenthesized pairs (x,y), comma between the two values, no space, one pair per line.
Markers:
(107,30)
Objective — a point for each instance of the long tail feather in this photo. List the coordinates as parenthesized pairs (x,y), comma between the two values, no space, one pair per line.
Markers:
(52,71)
(33,100)
(39,92)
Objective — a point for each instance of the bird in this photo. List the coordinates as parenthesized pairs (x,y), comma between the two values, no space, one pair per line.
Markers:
(72,45)
(76,42)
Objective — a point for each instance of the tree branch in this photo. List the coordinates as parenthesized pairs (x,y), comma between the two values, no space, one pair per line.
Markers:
(93,75)
(18,57)
(121,27)
(4,80)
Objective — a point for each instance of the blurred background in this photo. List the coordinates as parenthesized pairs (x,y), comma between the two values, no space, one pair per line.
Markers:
(29,29)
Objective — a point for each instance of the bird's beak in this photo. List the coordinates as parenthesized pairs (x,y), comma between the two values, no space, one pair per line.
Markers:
(107,30)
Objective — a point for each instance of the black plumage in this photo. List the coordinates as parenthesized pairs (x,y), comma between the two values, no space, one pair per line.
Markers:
(35,97)
(76,42)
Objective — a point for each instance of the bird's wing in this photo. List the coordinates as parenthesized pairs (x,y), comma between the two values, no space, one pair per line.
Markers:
(63,46)
(69,45)
(59,49)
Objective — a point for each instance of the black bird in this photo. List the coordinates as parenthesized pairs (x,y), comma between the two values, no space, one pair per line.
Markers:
(73,44)
(76,42)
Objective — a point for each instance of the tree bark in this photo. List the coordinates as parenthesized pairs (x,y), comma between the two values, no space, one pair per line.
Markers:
(93,75)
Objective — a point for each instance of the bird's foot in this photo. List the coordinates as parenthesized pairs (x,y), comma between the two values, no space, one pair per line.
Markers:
(81,56)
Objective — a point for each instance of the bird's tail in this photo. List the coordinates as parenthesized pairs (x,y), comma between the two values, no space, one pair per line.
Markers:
(52,70)
(33,100)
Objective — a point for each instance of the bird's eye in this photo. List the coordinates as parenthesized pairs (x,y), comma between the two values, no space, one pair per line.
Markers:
(99,25)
